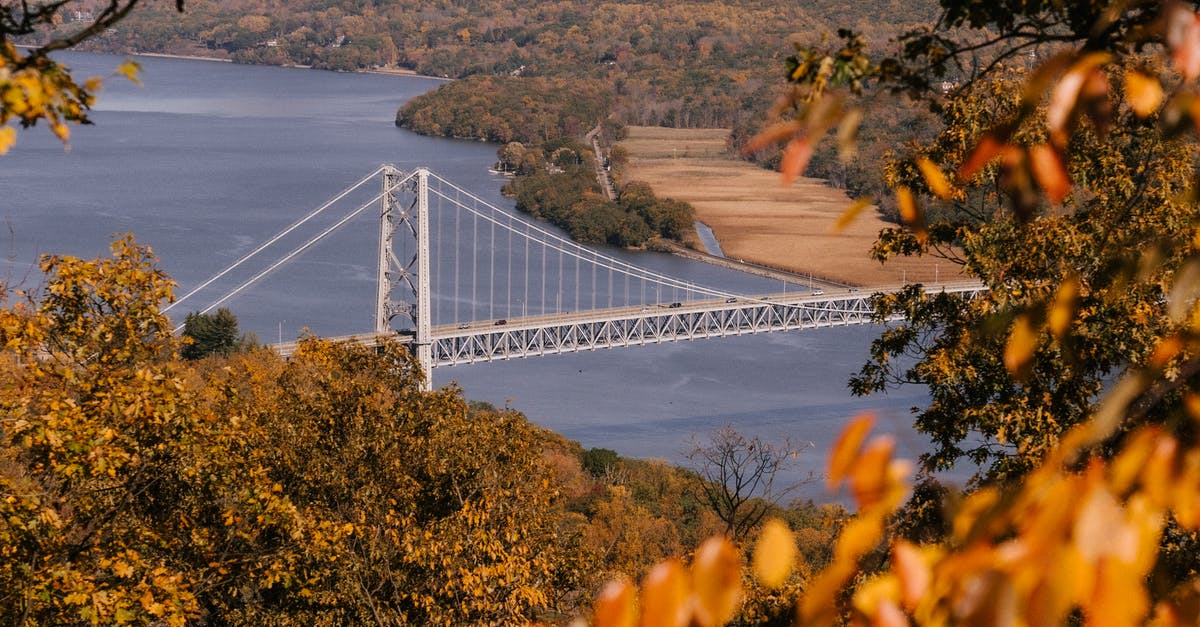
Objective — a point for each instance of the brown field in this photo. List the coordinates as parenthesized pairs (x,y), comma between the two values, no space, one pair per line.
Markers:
(757,219)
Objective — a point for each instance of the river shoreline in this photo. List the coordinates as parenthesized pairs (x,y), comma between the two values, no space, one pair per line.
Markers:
(212,59)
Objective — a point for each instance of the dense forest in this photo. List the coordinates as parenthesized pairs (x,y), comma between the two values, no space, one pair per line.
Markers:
(689,64)
(504,109)
(239,488)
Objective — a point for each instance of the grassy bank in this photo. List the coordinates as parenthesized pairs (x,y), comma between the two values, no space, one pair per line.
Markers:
(756,218)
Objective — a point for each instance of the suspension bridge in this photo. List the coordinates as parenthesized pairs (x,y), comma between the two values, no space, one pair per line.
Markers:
(462,281)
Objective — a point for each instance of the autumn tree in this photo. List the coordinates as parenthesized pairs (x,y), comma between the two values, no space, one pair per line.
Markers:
(1079,270)
(91,439)
(738,476)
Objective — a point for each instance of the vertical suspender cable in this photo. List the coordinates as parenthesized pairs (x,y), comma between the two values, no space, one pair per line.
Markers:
(474,260)
(457,229)
(525,302)
(492,273)
(508,274)
(436,262)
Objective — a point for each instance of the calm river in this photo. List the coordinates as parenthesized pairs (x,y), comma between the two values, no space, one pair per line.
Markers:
(209,159)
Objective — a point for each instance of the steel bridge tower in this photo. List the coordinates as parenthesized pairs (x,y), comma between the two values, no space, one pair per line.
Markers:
(402,287)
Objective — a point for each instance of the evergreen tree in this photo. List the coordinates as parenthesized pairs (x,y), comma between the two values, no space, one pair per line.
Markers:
(215,333)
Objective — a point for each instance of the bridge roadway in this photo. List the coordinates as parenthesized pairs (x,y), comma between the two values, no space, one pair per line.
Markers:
(568,332)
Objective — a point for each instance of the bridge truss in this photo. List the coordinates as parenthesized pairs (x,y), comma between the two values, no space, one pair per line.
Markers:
(613,329)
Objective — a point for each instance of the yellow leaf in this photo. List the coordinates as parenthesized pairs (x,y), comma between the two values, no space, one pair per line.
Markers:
(851,213)
(1062,311)
(1021,344)
(1065,582)
(615,607)
(1118,597)
(147,601)
(774,554)
(872,595)
(60,130)
(716,582)
(1133,457)
(974,511)
(130,70)
(665,596)
(1186,505)
(910,212)
(122,569)
(845,449)
(859,535)
(8,136)
(937,182)
(1143,93)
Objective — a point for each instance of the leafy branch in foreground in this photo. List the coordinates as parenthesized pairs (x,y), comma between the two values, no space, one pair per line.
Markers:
(33,86)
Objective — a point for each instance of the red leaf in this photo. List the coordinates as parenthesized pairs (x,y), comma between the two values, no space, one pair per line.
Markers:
(771,135)
(1183,38)
(795,158)
(1050,172)
(846,449)
(988,148)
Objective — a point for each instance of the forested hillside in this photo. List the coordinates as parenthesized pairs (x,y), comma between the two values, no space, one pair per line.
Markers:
(686,64)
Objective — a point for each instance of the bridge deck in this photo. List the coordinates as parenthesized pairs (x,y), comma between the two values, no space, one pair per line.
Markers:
(631,326)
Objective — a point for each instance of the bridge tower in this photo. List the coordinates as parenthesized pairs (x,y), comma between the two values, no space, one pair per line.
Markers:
(402,287)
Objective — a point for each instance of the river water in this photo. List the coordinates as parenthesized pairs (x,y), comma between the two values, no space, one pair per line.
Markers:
(206,160)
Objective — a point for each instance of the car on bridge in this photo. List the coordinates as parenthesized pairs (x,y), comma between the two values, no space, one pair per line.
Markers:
(675,305)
